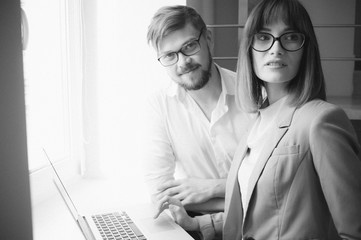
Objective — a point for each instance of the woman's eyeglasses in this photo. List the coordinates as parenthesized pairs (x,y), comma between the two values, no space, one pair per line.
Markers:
(291,41)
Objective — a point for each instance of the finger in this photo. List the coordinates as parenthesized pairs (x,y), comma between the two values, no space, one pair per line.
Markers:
(161,209)
(161,206)
(160,203)
(180,196)
(189,198)
(170,192)
(187,201)
(174,202)
(174,210)
(168,184)
(178,213)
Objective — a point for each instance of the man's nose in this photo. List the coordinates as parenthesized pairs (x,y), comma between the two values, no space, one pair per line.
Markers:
(183,59)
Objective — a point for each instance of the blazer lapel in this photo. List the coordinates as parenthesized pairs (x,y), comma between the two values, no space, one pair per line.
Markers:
(283,121)
(242,148)
(233,219)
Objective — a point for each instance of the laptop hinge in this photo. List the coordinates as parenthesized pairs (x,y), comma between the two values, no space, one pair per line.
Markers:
(83,224)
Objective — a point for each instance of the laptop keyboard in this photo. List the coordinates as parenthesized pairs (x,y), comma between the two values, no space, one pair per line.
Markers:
(117,226)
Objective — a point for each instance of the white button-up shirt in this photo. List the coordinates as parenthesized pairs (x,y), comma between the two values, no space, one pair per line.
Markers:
(182,143)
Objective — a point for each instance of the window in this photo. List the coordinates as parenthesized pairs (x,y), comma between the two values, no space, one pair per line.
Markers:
(87,69)
(46,81)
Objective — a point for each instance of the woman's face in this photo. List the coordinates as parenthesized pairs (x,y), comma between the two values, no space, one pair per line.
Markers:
(276,65)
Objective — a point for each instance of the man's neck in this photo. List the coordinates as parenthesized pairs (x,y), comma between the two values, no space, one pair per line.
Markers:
(207,97)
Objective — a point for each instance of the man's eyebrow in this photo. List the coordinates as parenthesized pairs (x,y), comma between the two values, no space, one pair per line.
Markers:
(184,44)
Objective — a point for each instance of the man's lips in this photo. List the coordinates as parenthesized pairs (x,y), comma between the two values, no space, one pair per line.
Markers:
(188,70)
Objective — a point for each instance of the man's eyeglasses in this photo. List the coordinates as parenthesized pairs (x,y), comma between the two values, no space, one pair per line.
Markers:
(291,41)
(188,49)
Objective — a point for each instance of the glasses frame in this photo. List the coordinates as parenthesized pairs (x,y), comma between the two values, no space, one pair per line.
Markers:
(181,50)
(279,40)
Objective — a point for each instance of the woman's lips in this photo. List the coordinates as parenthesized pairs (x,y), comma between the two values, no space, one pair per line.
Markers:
(276,64)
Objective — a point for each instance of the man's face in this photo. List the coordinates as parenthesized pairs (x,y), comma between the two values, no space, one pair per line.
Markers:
(190,72)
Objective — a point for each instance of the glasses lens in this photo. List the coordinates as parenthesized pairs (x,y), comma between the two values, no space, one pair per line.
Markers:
(188,49)
(292,41)
(289,41)
(168,59)
(262,41)
(191,48)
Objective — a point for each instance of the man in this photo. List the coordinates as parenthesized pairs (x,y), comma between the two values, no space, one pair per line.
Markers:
(194,125)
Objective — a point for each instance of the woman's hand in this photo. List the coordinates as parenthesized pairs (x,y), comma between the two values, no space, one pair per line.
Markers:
(178,212)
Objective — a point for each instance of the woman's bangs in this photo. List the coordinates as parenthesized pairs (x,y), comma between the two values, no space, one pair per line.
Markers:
(279,12)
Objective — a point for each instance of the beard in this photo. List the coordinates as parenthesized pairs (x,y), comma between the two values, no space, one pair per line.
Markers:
(200,82)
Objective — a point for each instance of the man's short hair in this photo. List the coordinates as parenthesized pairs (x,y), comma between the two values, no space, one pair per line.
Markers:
(172,18)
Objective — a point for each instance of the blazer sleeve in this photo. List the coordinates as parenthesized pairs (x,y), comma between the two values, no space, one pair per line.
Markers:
(336,156)
(211,225)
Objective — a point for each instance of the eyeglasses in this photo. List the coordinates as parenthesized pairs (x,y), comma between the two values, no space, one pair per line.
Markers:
(188,49)
(291,41)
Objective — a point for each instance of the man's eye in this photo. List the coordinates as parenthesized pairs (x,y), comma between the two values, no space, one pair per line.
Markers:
(189,47)
(169,56)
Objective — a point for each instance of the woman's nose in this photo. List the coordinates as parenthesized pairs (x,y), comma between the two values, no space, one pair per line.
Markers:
(276,48)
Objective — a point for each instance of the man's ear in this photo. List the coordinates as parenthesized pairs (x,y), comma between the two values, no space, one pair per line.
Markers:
(209,37)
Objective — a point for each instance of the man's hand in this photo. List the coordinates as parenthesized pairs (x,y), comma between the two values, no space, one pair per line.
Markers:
(192,190)
(178,212)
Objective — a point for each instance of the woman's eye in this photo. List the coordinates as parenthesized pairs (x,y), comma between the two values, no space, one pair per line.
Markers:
(292,37)
(263,37)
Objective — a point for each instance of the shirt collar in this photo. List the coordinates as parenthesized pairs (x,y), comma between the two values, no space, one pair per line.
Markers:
(227,80)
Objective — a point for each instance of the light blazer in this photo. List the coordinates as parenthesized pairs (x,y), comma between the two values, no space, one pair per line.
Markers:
(308,175)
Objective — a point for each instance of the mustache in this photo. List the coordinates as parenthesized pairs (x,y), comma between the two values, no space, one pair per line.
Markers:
(188,68)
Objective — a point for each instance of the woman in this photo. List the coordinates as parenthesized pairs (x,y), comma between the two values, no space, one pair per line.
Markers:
(297,173)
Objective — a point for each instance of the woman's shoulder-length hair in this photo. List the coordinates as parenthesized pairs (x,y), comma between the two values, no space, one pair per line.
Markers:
(309,81)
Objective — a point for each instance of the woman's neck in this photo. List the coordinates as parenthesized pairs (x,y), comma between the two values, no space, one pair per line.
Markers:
(275,91)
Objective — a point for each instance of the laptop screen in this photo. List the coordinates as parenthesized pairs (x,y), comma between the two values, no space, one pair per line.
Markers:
(62,190)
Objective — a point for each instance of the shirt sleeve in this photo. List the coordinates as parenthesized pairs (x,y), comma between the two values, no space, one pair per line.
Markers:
(336,156)
(158,161)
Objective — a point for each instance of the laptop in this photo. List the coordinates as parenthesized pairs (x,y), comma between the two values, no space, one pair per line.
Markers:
(132,222)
